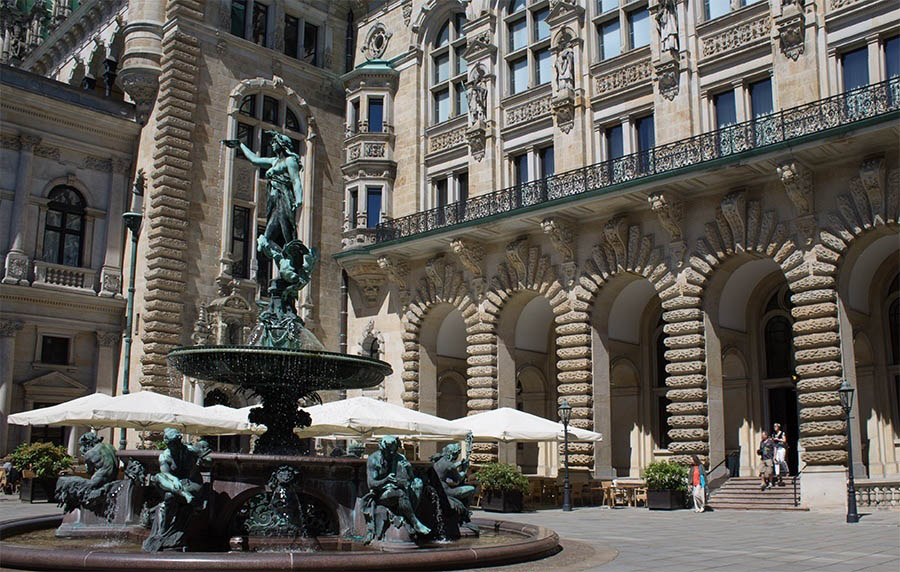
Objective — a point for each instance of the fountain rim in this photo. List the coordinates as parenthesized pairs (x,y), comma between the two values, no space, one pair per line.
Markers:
(275,351)
(537,542)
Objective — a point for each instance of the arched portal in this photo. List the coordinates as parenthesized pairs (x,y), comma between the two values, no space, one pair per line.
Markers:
(442,349)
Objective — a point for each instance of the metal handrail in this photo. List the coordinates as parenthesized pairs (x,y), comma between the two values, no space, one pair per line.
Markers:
(792,123)
(796,477)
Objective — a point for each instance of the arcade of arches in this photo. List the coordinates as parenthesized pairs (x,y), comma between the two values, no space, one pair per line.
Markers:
(670,350)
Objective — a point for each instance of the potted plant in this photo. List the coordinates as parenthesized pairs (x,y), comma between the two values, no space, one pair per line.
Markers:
(502,487)
(666,485)
(41,464)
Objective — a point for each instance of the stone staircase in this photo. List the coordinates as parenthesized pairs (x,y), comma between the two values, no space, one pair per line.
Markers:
(742,493)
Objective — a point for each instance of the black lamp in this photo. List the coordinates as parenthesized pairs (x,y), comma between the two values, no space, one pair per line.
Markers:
(846,393)
(565,415)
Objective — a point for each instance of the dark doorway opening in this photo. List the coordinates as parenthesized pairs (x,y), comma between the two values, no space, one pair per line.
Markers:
(783,409)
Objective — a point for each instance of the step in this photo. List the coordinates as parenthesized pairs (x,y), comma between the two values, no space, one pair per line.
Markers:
(778,502)
(745,506)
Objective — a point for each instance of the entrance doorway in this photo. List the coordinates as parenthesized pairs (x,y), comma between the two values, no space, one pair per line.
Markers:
(783,409)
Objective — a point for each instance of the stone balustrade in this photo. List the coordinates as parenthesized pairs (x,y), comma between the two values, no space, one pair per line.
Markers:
(57,276)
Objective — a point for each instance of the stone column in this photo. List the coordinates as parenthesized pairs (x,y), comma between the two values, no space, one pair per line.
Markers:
(308,294)
(107,350)
(16,267)
(8,329)
(111,271)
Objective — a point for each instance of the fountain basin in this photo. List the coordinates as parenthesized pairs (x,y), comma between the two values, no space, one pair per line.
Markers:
(527,542)
(254,367)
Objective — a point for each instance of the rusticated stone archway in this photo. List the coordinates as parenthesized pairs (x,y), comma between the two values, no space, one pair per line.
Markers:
(443,283)
(624,251)
(526,269)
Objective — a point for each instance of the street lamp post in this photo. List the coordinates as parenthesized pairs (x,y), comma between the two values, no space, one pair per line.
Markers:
(133,223)
(565,414)
(846,393)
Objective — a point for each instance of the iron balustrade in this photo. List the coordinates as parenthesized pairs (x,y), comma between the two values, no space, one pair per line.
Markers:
(844,109)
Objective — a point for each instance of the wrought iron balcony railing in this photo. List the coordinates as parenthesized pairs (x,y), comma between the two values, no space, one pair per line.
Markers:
(788,124)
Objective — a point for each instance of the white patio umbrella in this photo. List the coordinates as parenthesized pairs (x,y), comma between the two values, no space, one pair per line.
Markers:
(77,412)
(507,424)
(150,411)
(365,417)
(236,415)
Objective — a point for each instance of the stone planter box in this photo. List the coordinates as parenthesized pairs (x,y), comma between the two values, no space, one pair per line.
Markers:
(503,501)
(665,500)
(37,489)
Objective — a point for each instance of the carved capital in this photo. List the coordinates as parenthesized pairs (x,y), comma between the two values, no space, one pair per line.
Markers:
(798,183)
(470,254)
(28,142)
(108,339)
(142,86)
(670,211)
(16,268)
(872,176)
(8,328)
(562,235)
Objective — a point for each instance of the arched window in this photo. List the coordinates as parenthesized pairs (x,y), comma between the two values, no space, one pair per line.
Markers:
(448,70)
(259,113)
(216,397)
(528,58)
(778,347)
(64,227)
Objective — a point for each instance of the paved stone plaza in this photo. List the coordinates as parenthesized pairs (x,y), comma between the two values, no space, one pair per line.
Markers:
(635,540)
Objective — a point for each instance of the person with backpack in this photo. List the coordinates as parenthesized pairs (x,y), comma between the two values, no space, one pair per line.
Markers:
(697,480)
(766,451)
(781,467)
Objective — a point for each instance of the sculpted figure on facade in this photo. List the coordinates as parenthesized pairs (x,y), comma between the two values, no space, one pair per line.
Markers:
(475,8)
(565,69)
(667,24)
(477,94)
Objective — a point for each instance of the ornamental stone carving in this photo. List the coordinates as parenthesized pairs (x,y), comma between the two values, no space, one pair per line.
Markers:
(872,175)
(562,234)
(108,339)
(16,268)
(407,12)
(737,36)
(397,271)
(476,94)
(624,76)
(479,45)
(376,42)
(476,137)
(517,255)
(8,328)
(369,277)
(791,31)
(797,182)
(110,282)
(374,150)
(670,212)
(667,75)
(667,25)
(528,111)
(446,140)
(470,254)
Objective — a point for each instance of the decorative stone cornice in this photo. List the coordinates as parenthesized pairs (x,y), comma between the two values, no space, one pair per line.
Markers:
(479,46)
(470,254)
(8,328)
(447,140)
(737,36)
(624,76)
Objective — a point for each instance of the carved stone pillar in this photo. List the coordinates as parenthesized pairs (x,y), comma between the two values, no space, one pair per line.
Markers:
(16,267)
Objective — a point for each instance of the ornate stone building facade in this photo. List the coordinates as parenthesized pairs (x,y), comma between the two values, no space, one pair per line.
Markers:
(679,216)
(66,159)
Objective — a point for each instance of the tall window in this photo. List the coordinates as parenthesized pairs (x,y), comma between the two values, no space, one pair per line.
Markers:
(528,57)
(64,227)
(716,8)
(441,192)
(259,30)
(646,140)
(238,17)
(462,186)
(352,207)
(615,143)
(373,206)
(240,242)
(376,114)
(761,98)
(726,111)
(520,169)
(259,113)
(892,57)
(855,68)
(620,29)
(777,336)
(354,116)
(291,35)
(311,44)
(448,74)
(547,162)
(250,20)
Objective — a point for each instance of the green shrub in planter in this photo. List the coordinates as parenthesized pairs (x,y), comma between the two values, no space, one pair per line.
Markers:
(46,460)
(666,485)
(503,487)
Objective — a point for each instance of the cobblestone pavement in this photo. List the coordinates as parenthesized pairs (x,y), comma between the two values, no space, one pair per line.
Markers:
(636,540)
(733,541)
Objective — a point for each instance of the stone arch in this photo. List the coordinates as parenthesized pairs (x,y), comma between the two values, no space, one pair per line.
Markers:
(457,380)
(429,19)
(740,227)
(870,207)
(92,198)
(274,86)
(443,283)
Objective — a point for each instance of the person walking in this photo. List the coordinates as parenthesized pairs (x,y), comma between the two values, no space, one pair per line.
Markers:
(780,451)
(767,452)
(698,484)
